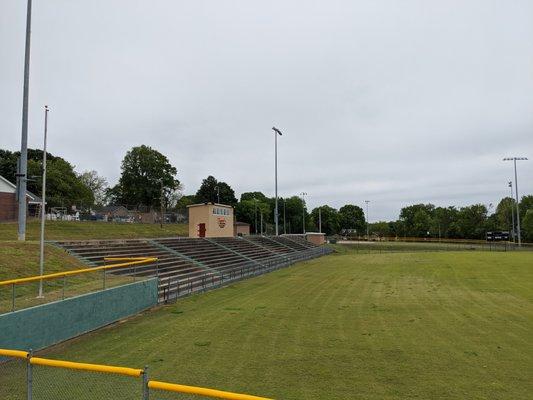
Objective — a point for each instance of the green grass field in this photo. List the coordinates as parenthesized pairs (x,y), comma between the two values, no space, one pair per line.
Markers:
(443,325)
(66,230)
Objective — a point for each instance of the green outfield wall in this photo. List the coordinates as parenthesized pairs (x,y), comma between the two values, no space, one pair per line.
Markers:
(42,326)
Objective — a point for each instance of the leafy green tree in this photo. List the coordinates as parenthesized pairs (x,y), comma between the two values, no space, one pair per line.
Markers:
(472,221)
(184,201)
(352,217)
(295,211)
(416,219)
(504,213)
(380,228)
(251,195)
(329,217)
(444,222)
(144,172)
(526,203)
(527,226)
(248,210)
(64,188)
(97,184)
(210,190)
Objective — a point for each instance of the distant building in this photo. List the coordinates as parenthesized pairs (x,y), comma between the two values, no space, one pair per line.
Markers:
(9,204)
(241,229)
(210,220)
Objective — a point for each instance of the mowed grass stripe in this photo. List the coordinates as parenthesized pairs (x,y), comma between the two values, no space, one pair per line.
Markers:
(346,326)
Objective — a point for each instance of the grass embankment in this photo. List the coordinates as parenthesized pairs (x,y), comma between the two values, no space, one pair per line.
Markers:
(20,260)
(73,230)
(451,325)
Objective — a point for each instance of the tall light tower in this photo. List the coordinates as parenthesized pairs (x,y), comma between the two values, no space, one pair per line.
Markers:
(303,210)
(512,211)
(367,220)
(23,162)
(276,133)
(515,159)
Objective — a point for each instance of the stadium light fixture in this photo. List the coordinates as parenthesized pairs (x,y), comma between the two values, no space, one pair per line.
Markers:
(276,133)
(515,159)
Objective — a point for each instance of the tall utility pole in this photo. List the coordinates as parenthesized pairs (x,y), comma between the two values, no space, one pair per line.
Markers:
(23,164)
(515,159)
(218,194)
(43,204)
(162,199)
(512,212)
(284,216)
(276,133)
(367,220)
(255,214)
(320,220)
(303,210)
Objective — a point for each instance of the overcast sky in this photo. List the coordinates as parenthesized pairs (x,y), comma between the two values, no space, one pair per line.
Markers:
(397,102)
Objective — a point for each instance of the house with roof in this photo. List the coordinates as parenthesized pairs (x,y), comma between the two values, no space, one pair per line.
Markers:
(9,204)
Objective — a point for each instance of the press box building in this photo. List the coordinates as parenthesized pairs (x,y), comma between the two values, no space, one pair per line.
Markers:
(211,220)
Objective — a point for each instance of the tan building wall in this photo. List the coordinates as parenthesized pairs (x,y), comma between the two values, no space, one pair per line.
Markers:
(218,220)
(315,238)
(242,229)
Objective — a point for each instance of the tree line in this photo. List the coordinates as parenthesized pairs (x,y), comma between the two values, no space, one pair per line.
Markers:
(149,181)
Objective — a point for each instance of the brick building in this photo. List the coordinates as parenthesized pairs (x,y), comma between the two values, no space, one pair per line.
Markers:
(8,200)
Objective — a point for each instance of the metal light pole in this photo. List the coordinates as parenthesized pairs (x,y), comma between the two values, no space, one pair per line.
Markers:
(43,205)
(255,214)
(284,217)
(303,210)
(320,220)
(515,159)
(367,220)
(23,165)
(218,194)
(161,201)
(276,133)
(512,211)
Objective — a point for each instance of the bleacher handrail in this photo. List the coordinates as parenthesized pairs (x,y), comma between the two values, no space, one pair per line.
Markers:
(132,262)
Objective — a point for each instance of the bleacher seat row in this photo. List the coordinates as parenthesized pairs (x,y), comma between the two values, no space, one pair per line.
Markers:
(186,265)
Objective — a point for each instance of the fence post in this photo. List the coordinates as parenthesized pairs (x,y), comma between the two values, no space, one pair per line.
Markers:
(103,280)
(29,376)
(64,284)
(146,390)
(12,297)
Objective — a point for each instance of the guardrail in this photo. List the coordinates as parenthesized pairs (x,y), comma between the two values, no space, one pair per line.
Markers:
(146,388)
(129,262)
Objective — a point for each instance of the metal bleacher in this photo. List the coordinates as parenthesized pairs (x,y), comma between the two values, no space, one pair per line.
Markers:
(187,265)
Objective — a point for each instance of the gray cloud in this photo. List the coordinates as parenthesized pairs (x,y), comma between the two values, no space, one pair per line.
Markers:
(395,102)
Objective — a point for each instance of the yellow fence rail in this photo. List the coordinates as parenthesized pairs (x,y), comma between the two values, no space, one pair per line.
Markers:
(125,371)
(130,262)
(118,263)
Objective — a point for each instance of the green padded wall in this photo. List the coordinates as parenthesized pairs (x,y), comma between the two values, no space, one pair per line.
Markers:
(42,326)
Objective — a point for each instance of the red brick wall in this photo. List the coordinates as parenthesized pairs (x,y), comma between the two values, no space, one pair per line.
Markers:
(8,207)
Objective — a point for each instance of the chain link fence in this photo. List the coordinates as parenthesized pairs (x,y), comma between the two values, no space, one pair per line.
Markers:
(23,377)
